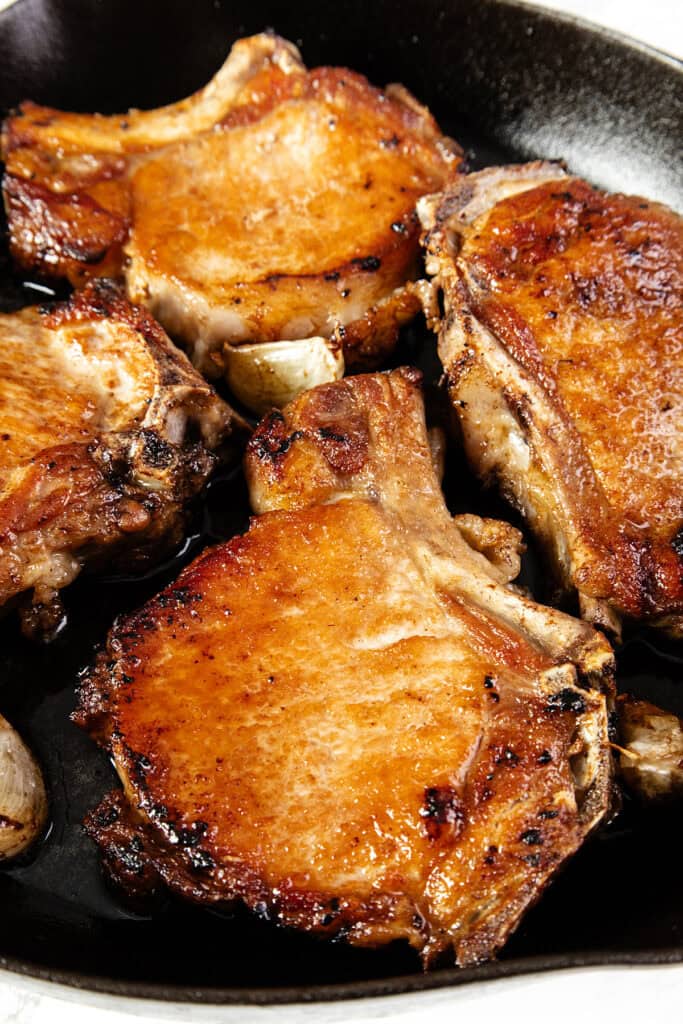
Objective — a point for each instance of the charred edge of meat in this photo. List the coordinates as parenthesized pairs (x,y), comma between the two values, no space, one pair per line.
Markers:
(65,247)
(104,298)
(122,497)
(335,428)
(639,576)
(439,811)
(140,862)
(270,441)
(368,341)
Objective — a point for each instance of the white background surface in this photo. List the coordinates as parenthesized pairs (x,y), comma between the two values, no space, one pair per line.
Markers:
(630,994)
(657,22)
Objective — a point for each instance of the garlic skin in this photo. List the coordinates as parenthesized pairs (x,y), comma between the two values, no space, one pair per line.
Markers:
(271,374)
(650,749)
(23,800)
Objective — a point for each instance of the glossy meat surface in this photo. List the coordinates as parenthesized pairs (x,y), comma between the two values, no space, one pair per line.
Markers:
(106,431)
(277,203)
(346,718)
(563,345)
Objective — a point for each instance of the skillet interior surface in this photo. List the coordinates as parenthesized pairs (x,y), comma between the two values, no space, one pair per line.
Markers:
(509,82)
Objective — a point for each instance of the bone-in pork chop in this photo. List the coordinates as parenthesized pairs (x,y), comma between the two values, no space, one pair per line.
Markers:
(106,431)
(562,341)
(277,203)
(346,718)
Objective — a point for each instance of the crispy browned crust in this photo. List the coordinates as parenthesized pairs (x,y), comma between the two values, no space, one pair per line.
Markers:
(561,341)
(88,196)
(142,862)
(359,728)
(68,236)
(369,341)
(116,490)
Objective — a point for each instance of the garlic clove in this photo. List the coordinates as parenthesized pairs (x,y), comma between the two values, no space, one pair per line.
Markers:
(650,749)
(23,800)
(271,374)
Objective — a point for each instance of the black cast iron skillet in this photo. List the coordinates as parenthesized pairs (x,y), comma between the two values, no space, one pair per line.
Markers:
(509,82)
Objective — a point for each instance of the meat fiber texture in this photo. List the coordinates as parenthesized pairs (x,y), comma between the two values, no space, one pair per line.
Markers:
(107,432)
(348,718)
(562,343)
(275,204)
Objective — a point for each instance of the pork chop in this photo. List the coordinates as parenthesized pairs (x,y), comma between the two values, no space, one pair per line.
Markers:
(562,342)
(106,431)
(276,203)
(346,718)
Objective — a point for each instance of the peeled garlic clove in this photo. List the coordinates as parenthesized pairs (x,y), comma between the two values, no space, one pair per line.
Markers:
(23,801)
(271,374)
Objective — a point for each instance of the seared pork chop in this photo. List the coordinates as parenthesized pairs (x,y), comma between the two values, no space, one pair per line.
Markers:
(105,432)
(346,718)
(562,341)
(277,203)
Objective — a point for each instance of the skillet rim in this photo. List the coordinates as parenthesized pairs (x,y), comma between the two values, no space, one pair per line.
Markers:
(375,988)
(11,967)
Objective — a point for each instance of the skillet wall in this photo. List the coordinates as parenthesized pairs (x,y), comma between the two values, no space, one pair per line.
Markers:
(536,82)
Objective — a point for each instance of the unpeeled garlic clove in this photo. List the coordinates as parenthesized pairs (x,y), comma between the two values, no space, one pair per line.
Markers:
(271,374)
(650,749)
(437,448)
(23,801)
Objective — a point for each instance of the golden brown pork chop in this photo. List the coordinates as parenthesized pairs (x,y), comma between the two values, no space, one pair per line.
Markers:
(277,203)
(562,341)
(106,431)
(345,717)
